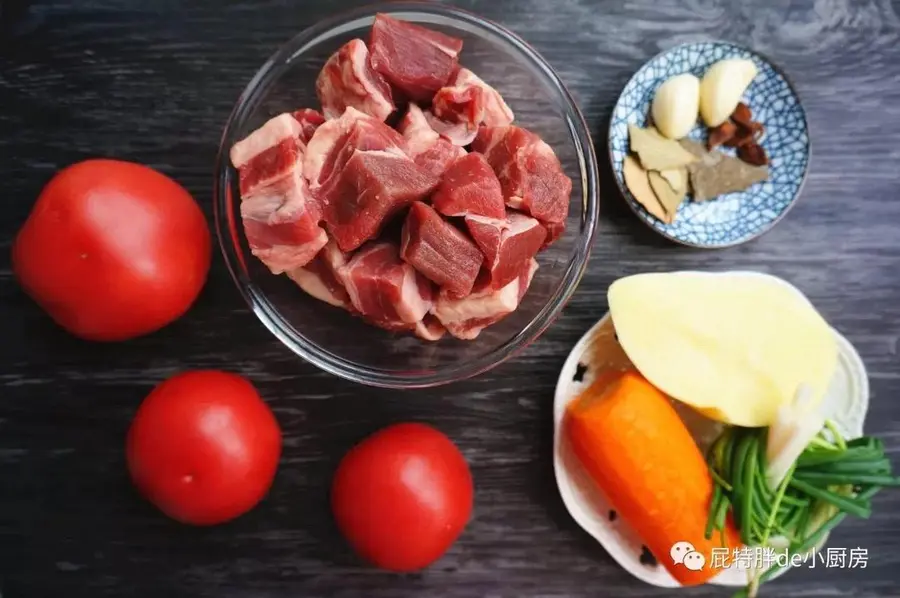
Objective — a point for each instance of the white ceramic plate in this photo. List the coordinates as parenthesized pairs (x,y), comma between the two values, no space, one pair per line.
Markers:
(846,402)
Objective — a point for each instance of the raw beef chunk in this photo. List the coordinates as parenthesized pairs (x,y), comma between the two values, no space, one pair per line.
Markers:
(466,103)
(371,188)
(281,223)
(268,154)
(470,187)
(416,60)
(418,133)
(325,196)
(458,112)
(458,133)
(495,112)
(384,289)
(436,159)
(466,318)
(439,250)
(309,120)
(319,278)
(279,214)
(507,244)
(334,142)
(424,145)
(530,174)
(347,80)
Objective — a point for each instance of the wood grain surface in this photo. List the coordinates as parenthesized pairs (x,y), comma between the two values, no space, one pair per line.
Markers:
(155,81)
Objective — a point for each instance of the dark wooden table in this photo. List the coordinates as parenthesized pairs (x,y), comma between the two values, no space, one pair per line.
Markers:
(155,85)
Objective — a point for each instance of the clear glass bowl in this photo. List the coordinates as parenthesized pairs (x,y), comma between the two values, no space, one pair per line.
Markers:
(343,344)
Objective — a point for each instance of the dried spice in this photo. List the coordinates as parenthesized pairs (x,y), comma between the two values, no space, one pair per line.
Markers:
(668,197)
(715,173)
(742,115)
(746,135)
(655,151)
(677,179)
(722,134)
(753,153)
(638,183)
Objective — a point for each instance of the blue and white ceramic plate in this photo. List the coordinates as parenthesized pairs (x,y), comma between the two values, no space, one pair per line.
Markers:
(735,217)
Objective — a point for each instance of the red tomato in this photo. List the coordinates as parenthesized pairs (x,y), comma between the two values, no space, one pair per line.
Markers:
(203,447)
(113,250)
(402,496)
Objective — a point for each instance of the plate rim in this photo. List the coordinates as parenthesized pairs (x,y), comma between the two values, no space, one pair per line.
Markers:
(623,192)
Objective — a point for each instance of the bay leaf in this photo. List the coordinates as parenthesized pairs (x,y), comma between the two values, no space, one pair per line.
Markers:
(668,198)
(716,173)
(655,151)
(638,183)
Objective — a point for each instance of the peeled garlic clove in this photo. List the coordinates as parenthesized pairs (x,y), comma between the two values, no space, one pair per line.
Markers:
(722,87)
(675,105)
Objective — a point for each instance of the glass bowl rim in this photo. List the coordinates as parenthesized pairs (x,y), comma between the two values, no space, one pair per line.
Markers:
(225,226)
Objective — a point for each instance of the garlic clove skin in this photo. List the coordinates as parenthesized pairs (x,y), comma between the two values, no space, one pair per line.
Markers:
(676,105)
(722,87)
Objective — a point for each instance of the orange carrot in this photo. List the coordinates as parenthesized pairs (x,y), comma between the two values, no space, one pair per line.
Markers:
(633,444)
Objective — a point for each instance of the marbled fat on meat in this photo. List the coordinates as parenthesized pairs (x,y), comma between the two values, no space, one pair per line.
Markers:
(309,120)
(279,214)
(334,143)
(281,223)
(425,146)
(347,80)
(465,318)
(384,289)
(319,278)
(507,244)
(268,154)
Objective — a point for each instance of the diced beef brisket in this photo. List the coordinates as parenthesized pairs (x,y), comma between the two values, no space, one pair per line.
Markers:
(530,173)
(371,188)
(415,129)
(416,60)
(319,278)
(458,133)
(439,250)
(470,187)
(335,141)
(384,289)
(425,146)
(281,223)
(268,154)
(465,318)
(495,112)
(507,244)
(317,186)
(347,80)
(436,159)
(460,107)
(464,104)
(309,120)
